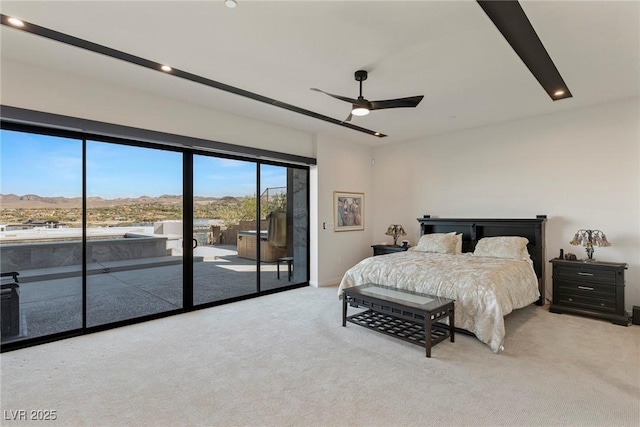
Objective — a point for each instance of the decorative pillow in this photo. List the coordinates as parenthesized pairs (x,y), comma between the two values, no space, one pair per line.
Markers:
(512,247)
(459,243)
(437,242)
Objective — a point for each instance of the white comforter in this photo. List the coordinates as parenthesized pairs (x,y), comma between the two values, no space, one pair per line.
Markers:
(485,289)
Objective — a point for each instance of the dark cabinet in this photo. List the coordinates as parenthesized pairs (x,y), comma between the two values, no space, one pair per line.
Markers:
(387,249)
(593,289)
(10,309)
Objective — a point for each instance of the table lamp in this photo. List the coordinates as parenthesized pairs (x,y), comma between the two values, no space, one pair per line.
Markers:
(395,230)
(589,239)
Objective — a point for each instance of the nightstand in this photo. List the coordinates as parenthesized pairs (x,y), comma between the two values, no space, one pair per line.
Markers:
(592,288)
(387,249)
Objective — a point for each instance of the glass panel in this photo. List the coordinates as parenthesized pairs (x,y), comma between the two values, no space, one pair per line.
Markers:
(224,198)
(273,212)
(134,232)
(283,207)
(298,196)
(40,234)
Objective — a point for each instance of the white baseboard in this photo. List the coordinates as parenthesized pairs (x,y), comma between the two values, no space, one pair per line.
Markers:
(325,283)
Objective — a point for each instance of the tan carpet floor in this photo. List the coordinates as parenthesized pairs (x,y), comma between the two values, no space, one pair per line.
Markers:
(285,360)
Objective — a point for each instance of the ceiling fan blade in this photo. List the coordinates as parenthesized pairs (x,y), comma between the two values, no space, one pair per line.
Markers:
(409,102)
(349,117)
(341,98)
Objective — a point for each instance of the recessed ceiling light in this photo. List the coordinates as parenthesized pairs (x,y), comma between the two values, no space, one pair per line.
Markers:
(15,22)
(230,3)
(558,93)
(166,68)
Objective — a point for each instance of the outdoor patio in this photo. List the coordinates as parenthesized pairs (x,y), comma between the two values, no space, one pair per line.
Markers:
(51,300)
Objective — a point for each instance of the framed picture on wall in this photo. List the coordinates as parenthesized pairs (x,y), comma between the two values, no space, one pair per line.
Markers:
(348,211)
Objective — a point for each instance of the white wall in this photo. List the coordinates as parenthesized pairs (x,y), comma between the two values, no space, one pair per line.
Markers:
(581,168)
(32,87)
(342,166)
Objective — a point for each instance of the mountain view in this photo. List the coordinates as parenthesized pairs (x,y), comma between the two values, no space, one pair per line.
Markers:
(30,208)
(21,209)
(33,201)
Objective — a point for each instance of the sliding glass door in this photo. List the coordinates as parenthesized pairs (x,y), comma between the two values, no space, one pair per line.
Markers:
(284,209)
(134,232)
(93,231)
(40,234)
(225,229)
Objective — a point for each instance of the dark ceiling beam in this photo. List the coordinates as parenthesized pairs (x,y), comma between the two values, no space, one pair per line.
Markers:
(132,59)
(516,28)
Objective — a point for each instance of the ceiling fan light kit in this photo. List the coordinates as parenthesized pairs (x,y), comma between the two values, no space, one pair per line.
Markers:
(359,111)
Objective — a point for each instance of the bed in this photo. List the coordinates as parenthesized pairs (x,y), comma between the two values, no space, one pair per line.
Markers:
(487,285)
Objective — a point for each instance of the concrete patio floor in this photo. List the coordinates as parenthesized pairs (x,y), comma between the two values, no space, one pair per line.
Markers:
(51,302)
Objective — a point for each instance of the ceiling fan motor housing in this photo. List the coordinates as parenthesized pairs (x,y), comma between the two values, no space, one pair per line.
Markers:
(361,75)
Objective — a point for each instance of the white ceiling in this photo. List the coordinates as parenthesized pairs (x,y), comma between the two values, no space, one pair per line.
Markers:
(448,51)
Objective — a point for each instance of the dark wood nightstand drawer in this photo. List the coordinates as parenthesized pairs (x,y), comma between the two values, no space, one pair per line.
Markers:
(602,305)
(590,290)
(585,272)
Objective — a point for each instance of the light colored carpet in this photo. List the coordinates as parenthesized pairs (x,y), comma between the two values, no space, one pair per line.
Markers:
(285,360)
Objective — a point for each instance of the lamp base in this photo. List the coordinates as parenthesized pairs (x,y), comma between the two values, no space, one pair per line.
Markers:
(589,250)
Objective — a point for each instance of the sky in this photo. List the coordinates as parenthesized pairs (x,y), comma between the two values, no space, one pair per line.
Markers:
(52,167)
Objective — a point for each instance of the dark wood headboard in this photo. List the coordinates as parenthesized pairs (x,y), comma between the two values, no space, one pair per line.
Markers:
(474,229)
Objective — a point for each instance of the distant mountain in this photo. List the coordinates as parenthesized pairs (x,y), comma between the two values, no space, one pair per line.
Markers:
(6,198)
(33,201)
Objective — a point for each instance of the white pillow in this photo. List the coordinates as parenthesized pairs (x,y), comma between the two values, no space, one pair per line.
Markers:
(459,243)
(438,243)
(512,247)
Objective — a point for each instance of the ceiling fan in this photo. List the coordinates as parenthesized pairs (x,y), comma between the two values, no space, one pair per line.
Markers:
(361,106)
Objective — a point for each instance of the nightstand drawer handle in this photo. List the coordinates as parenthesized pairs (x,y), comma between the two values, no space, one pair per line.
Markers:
(585,274)
(585,288)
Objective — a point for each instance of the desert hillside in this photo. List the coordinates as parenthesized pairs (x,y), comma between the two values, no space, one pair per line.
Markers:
(33,201)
